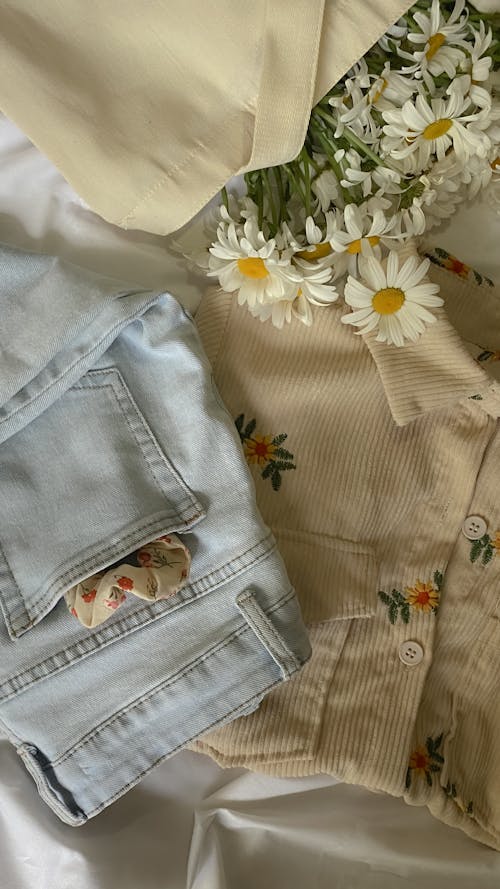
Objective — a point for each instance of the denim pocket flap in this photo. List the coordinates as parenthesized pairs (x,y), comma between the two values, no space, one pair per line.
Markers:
(82,485)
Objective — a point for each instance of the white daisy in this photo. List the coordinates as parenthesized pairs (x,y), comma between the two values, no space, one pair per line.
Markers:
(314,245)
(357,229)
(442,40)
(393,301)
(244,261)
(326,188)
(315,288)
(421,130)
(478,68)
(392,88)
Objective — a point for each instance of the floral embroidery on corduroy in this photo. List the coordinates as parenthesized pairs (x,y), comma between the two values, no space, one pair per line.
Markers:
(486,547)
(446,260)
(425,762)
(265,451)
(422,596)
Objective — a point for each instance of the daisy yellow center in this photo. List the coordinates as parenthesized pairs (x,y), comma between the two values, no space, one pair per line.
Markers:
(388,300)
(317,252)
(437,128)
(495,163)
(253,267)
(435,43)
(355,246)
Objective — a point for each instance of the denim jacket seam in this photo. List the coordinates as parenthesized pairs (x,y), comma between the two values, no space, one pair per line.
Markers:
(95,347)
(169,681)
(132,622)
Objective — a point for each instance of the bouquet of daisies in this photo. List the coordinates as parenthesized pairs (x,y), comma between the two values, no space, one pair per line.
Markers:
(412,130)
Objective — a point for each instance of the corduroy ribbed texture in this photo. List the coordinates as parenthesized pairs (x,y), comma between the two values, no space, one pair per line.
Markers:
(393,448)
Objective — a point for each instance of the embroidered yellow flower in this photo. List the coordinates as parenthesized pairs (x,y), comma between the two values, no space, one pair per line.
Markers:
(259,449)
(420,761)
(496,540)
(456,266)
(423,596)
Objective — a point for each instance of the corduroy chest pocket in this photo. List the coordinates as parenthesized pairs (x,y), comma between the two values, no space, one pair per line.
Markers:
(82,485)
(336,584)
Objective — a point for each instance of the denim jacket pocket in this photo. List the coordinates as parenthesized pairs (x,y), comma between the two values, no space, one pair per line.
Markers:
(83,485)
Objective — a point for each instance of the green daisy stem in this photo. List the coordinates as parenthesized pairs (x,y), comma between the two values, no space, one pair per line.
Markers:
(268,188)
(307,180)
(283,212)
(225,199)
(259,194)
(294,182)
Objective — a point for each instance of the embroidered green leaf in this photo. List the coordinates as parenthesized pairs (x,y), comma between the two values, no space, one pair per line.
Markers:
(475,550)
(469,809)
(283,454)
(386,599)
(405,613)
(477,397)
(487,554)
(408,779)
(239,422)
(438,580)
(478,277)
(393,612)
(267,471)
(276,480)
(279,439)
(428,778)
(249,429)
(443,254)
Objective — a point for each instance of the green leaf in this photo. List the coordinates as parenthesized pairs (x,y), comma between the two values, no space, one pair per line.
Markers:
(428,778)
(386,599)
(469,809)
(278,439)
(434,768)
(267,471)
(438,579)
(398,597)
(478,277)
(408,779)
(250,428)
(475,550)
(393,612)
(487,554)
(283,454)
(405,613)
(438,757)
(240,419)
(441,253)
(276,480)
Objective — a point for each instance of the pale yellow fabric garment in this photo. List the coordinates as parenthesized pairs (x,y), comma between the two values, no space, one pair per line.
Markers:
(149,108)
(378,455)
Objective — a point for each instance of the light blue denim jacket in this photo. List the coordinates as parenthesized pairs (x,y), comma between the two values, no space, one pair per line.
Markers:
(112,433)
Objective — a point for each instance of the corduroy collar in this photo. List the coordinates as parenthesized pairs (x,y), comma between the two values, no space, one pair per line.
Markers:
(438,369)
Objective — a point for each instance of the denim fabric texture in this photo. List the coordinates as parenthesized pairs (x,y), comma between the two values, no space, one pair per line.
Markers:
(112,433)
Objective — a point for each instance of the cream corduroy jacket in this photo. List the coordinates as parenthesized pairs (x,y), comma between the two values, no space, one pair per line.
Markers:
(148,108)
(367,460)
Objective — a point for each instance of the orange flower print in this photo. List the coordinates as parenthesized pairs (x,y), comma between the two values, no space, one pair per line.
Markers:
(73,612)
(423,596)
(266,451)
(125,583)
(89,596)
(425,761)
(420,761)
(259,449)
(144,558)
(456,266)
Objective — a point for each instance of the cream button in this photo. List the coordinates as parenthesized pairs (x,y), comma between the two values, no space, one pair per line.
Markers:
(411,653)
(474,527)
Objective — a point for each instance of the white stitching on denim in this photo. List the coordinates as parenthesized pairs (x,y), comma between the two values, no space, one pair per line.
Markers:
(171,680)
(136,620)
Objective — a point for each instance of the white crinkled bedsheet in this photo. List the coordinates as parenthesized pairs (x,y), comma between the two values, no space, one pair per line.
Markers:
(191,824)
